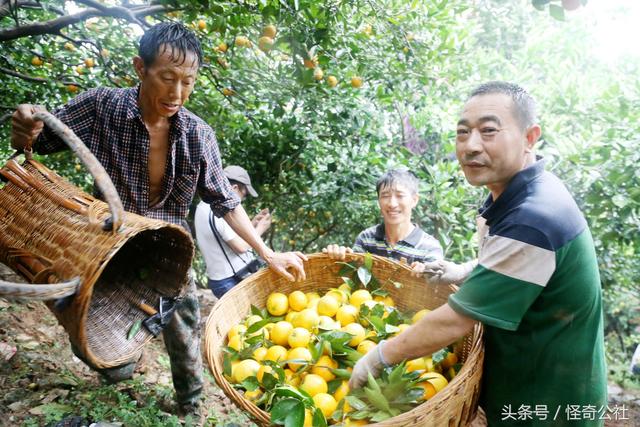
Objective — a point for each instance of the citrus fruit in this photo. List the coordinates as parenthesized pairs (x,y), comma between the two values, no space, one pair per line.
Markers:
(297,300)
(357,331)
(299,337)
(263,370)
(276,353)
(365,346)
(277,304)
(332,81)
(298,354)
(246,368)
(323,368)
(236,330)
(326,403)
(269,31)
(347,314)
(314,384)
(341,391)
(280,332)
(328,305)
(356,82)
(359,296)
(259,353)
(436,379)
(307,318)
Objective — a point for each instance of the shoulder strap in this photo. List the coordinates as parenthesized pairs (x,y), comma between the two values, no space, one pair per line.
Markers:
(216,234)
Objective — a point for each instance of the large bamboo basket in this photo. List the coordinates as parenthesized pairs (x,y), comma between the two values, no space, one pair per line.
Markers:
(99,268)
(455,405)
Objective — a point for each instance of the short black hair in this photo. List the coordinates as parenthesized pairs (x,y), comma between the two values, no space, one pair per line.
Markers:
(523,103)
(172,35)
(398,176)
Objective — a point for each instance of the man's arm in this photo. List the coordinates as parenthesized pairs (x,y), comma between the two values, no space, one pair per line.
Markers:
(444,272)
(437,329)
(280,262)
(260,222)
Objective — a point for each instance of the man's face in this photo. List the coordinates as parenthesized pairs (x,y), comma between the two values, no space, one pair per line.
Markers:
(396,204)
(167,83)
(491,145)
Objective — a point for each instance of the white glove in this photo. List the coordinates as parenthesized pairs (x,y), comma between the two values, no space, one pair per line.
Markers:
(443,272)
(372,362)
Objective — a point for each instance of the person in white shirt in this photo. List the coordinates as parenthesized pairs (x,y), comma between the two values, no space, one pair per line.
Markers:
(228,258)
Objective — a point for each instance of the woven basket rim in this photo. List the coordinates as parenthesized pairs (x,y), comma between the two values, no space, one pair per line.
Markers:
(261,417)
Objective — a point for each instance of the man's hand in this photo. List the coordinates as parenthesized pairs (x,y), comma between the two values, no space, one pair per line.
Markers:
(262,221)
(443,272)
(337,252)
(24,129)
(371,363)
(280,262)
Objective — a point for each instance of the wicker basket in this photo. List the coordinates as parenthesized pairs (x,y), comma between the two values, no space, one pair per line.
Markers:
(455,405)
(115,265)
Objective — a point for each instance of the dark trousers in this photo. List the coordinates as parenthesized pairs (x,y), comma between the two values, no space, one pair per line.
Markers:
(222,286)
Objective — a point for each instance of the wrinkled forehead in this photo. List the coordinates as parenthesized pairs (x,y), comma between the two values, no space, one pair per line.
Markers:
(496,106)
(172,56)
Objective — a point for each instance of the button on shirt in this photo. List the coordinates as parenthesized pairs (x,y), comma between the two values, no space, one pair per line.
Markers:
(110,124)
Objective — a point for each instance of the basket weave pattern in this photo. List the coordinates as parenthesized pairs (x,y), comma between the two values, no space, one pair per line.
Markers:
(455,405)
(50,232)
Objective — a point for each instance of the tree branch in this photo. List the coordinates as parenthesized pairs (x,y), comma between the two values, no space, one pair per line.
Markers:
(54,26)
(22,76)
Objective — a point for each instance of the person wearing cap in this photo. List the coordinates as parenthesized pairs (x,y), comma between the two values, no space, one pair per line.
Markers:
(228,258)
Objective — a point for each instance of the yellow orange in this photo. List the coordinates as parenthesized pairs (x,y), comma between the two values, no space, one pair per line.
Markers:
(359,296)
(328,305)
(357,331)
(298,354)
(326,403)
(277,304)
(323,368)
(280,332)
(264,369)
(246,368)
(365,346)
(341,391)
(269,31)
(356,82)
(332,81)
(276,353)
(347,314)
(236,330)
(299,337)
(436,379)
(314,384)
(259,353)
(236,342)
(307,318)
(297,301)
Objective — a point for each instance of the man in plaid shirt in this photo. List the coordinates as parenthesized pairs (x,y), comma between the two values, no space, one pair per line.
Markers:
(158,154)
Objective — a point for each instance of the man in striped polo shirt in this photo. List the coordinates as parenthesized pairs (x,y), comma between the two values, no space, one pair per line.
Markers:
(397,237)
(536,287)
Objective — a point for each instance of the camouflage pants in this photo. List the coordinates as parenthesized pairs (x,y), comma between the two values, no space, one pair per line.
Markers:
(182,340)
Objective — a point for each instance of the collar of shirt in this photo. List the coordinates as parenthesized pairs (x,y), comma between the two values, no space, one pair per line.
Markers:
(491,209)
(412,239)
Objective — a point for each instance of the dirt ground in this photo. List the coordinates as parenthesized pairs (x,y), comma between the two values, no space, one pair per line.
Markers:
(37,368)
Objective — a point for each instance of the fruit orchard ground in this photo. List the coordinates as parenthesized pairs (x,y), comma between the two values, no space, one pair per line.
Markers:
(44,372)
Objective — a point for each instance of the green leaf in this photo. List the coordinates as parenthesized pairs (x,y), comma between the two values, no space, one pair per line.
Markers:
(258,325)
(439,356)
(283,407)
(539,4)
(250,383)
(364,276)
(133,330)
(356,403)
(368,261)
(556,11)
(318,419)
(256,311)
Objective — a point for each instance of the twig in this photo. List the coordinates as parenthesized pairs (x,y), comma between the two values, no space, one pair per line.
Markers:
(54,26)
(23,76)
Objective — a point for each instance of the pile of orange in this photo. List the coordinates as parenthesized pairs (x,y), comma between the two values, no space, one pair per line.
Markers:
(290,328)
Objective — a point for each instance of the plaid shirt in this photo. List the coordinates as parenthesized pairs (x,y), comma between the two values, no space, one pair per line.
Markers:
(417,246)
(109,122)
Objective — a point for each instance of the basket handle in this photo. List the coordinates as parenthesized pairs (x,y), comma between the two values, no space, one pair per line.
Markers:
(102,179)
(39,292)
